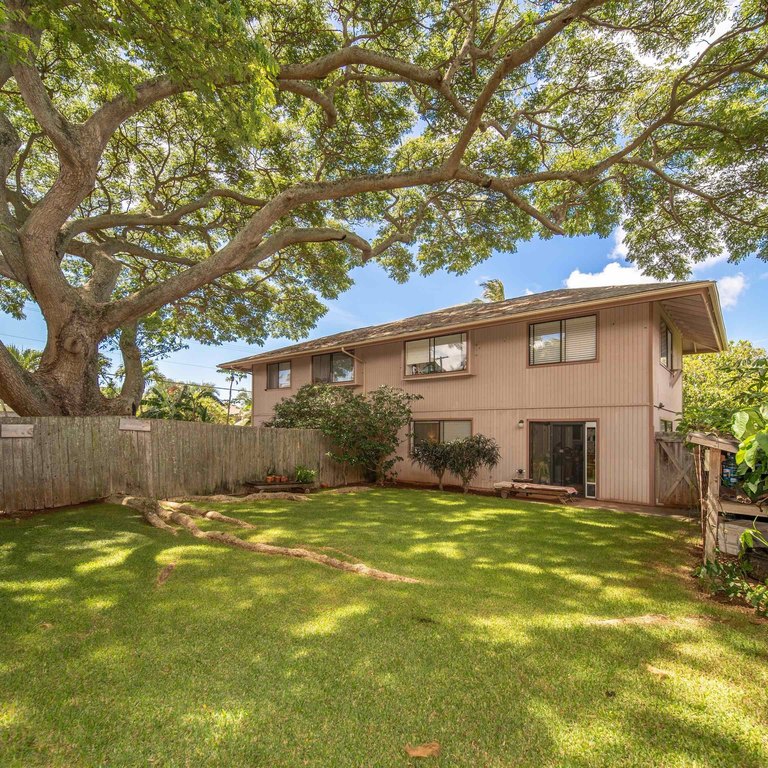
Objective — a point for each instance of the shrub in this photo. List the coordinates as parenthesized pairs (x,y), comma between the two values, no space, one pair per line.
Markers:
(434,457)
(469,455)
(308,408)
(363,429)
(730,579)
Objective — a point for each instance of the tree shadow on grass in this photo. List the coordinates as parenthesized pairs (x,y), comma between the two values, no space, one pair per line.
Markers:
(246,660)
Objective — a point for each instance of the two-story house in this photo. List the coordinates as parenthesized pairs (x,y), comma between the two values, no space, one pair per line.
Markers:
(573,384)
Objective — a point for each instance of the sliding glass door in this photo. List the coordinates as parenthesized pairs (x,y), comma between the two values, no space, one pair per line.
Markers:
(564,453)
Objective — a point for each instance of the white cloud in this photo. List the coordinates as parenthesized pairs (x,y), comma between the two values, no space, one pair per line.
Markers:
(730,288)
(612,273)
(620,249)
(710,261)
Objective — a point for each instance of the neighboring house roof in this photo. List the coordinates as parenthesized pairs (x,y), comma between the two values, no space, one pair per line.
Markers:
(700,324)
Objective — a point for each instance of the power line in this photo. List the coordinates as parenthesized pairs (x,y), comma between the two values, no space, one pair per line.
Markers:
(161,360)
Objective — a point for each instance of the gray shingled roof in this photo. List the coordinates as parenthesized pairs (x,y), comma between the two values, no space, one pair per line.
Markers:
(449,317)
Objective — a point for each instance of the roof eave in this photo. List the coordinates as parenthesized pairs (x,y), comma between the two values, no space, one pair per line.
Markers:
(246,364)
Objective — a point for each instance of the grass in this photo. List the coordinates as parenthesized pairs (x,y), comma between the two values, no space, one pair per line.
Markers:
(247,660)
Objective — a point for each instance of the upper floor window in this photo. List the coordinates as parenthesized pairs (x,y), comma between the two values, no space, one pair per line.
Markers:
(437,354)
(666,346)
(563,341)
(440,431)
(333,368)
(279,375)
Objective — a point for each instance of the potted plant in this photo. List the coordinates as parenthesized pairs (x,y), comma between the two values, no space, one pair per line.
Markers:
(283,478)
(271,475)
(304,474)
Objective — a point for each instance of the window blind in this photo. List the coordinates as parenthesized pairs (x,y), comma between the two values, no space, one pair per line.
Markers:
(580,338)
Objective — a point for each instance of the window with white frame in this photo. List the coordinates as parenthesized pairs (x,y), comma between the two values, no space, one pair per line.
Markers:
(279,375)
(563,341)
(436,354)
(440,431)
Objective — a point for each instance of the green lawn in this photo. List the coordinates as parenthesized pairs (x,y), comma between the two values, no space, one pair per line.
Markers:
(248,660)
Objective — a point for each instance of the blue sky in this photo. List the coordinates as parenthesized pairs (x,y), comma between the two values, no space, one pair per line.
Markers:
(537,266)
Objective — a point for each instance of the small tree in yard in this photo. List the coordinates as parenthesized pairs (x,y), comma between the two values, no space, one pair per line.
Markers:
(468,456)
(434,457)
(364,429)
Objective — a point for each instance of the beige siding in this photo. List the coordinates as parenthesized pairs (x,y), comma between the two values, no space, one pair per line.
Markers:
(500,389)
(667,385)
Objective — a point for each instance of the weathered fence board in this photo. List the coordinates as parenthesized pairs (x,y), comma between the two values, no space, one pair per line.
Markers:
(70,460)
(675,472)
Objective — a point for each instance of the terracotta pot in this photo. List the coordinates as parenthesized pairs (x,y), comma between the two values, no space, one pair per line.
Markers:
(284,478)
(270,479)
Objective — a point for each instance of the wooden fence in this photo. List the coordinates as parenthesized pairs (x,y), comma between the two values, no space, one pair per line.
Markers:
(55,461)
(676,484)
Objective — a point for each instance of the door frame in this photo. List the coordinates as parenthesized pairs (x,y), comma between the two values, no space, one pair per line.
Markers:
(587,422)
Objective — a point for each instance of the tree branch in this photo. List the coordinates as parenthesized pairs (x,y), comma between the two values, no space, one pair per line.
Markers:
(170,218)
(20,389)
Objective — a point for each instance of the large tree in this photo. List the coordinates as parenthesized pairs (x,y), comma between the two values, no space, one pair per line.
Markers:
(176,169)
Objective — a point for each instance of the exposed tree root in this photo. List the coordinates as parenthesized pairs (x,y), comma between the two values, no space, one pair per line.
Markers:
(349,489)
(165,574)
(263,496)
(149,508)
(164,514)
(208,514)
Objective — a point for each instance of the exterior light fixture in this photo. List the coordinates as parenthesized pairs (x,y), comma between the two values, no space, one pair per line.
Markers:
(521,424)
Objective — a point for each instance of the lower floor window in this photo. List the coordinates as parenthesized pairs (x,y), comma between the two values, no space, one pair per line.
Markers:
(667,425)
(443,431)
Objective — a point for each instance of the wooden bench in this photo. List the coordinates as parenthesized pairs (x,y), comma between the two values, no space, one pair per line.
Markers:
(563,493)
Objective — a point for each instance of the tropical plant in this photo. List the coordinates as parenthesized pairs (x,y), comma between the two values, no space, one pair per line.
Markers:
(28,359)
(182,402)
(751,428)
(364,430)
(204,170)
(466,457)
(433,456)
(716,386)
(304,474)
(493,290)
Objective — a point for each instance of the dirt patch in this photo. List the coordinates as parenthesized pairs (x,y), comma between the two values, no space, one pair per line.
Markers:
(430,749)
(651,619)
(348,489)
(657,672)
(165,574)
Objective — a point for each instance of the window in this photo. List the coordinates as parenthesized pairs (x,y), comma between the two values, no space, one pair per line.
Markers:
(563,341)
(438,354)
(279,375)
(440,431)
(666,346)
(667,425)
(335,368)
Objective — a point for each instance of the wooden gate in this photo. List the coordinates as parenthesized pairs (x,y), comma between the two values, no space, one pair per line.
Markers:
(675,472)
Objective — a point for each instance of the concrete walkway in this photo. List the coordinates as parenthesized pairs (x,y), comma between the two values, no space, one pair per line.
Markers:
(688,515)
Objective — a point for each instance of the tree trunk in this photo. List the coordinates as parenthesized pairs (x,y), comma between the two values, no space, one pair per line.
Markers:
(67,380)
